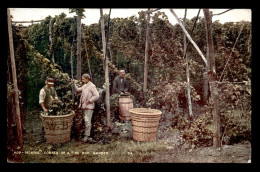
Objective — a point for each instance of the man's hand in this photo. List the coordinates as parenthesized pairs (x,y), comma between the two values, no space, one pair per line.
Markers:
(43,108)
(88,102)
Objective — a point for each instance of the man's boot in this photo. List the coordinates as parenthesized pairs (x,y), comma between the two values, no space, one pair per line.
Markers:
(89,140)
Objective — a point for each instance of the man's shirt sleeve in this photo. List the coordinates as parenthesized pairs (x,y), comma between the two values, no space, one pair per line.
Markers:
(42,96)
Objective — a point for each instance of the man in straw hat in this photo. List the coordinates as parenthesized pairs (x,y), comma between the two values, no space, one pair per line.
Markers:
(47,94)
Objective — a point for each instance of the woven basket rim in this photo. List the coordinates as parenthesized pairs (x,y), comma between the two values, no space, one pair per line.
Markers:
(149,113)
(59,116)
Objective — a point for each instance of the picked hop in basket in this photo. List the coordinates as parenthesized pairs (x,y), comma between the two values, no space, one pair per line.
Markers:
(57,128)
(145,122)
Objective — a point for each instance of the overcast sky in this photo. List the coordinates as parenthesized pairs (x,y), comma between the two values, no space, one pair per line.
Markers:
(93,14)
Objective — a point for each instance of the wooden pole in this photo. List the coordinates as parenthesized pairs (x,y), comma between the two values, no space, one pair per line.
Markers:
(205,74)
(71,68)
(146,52)
(194,24)
(212,81)
(78,47)
(110,53)
(32,21)
(51,42)
(221,13)
(189,37)
(106,68)
(86,49)
(18,118)
(205,85)
(187,69)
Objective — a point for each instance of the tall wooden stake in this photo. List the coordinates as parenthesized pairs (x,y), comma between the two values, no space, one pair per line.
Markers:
(146,51)
(18,119)
(106,68)
(189,37)
(205,74)
(51,42)
(86,49)
(78,47)
(212,80)
(187,69)
(71,68)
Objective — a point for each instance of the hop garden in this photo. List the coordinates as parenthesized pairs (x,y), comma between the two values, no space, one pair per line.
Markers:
(166,90)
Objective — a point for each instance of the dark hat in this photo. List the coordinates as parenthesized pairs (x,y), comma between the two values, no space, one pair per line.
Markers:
(50,81)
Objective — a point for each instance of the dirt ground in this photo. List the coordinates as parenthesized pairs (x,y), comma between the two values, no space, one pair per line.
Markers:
(238,153)
(173,151)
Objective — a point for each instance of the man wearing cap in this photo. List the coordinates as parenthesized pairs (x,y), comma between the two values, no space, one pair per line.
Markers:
(120,83)
(89,94)
(47,94)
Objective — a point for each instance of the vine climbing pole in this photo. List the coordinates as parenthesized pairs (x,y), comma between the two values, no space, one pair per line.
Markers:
(51,41)
(78,47)
(212,80)
(17,108)
(210,64)
(146,51)
(189,37)
(106,68)
(187,69)
(71,69)
(86,49)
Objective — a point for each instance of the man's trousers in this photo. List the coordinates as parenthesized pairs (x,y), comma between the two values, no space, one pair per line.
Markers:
(87,115)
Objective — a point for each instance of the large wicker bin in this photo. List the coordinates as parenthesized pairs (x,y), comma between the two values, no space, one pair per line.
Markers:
(145,122)
(125,104)
(57,128)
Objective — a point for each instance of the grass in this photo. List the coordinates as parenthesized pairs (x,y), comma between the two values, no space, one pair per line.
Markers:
(74,152)
(119,150)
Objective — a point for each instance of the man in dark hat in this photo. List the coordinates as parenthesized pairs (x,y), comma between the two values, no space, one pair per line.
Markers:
(47,94)
(120,84)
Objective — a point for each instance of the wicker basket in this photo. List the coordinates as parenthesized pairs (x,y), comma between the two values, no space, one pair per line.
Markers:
(145,123)
(125,104)
(57,128)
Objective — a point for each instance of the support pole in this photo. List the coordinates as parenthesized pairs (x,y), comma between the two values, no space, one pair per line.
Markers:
(146,51)
(51,42)
(28,21)
(187,69)
(212,81)
(86,49)
(78,47)
(17,108)
(71,69)
(106,68)
(189,37)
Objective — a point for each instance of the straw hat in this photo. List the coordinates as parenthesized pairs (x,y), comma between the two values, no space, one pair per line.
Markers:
(50,81)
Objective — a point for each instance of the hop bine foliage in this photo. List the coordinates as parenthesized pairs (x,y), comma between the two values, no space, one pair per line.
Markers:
(167,73)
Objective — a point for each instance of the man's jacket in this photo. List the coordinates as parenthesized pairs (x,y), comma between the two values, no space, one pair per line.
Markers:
(89,93)
(120,85)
